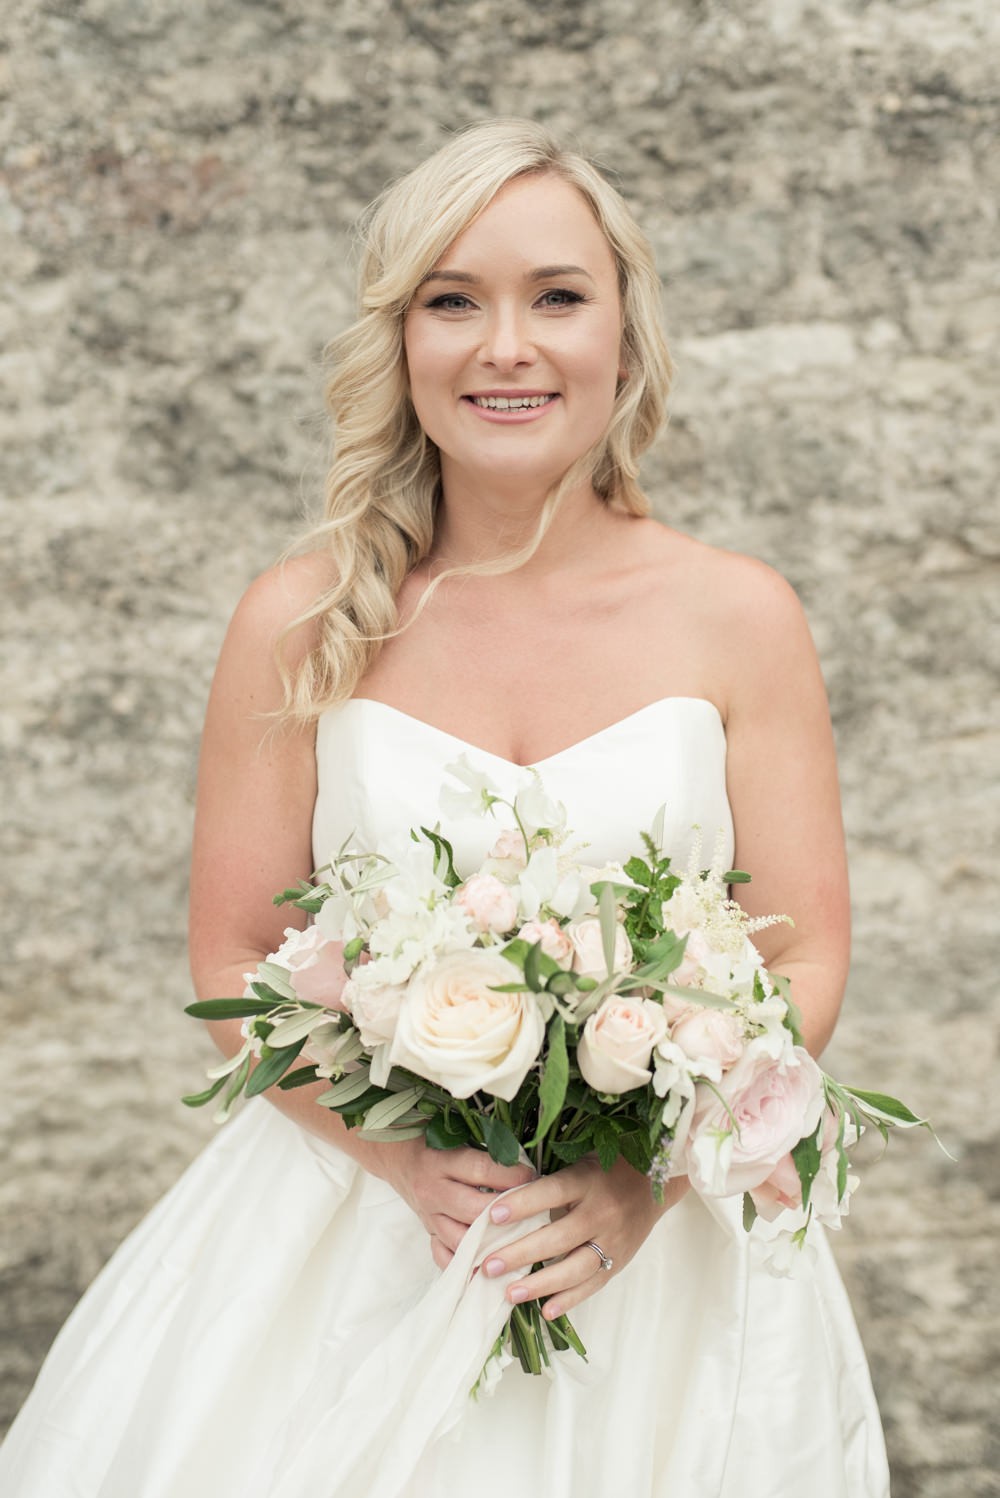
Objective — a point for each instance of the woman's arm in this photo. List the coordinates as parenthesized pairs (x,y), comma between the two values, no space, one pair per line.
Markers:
(783,788)
(253,836)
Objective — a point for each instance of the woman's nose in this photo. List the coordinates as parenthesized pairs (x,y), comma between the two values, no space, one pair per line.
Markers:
(507,341)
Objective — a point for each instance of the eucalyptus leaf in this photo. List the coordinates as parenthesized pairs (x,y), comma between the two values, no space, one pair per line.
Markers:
(387,1112)
(300,1077)
(298,1026)
(267,1072)
(227,1008)
(608,914)
(347,1089)
(276,977)
(199,1099)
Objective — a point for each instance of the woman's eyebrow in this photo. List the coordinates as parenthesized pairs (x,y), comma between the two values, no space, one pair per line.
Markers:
(543,273)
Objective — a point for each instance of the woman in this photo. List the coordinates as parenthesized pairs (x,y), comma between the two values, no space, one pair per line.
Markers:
(486,581)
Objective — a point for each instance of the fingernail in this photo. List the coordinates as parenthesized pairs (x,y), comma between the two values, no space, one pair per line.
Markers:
(494,1267)
(551,1312)
(499,1214)
(518,1293)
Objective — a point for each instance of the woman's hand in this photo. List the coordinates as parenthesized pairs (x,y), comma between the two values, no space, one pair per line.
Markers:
(613,1208)
(447,1189)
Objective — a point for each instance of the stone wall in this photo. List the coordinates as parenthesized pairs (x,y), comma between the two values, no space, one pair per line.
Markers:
(177,185)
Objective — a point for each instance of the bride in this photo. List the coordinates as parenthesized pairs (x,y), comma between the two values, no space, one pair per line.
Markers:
(487,580)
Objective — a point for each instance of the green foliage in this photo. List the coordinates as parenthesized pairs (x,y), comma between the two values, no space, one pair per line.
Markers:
(500,1141)
(268,1071)
(229,1008)
(199,1099)
(448,1131)
(444,857)
(555,1079)
(807,1155)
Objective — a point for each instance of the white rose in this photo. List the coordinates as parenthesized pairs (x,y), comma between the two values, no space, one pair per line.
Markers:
(617,1043)
(488,903)
(555,943)
(588,946)
(774,1105)
(454,1030)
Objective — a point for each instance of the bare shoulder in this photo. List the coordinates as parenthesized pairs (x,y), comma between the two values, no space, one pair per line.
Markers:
(739,618)
(280,596)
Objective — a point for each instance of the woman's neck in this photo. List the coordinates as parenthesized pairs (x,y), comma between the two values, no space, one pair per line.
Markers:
(494,522)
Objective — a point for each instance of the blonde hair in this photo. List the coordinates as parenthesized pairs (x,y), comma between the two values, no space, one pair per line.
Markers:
(384,481)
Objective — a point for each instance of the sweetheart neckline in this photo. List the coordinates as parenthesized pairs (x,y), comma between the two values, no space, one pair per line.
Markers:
(549,758)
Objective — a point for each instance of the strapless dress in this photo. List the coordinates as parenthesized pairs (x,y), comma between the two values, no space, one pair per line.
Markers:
(276,1328)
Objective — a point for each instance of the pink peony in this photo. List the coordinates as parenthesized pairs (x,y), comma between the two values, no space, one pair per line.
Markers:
(489,904)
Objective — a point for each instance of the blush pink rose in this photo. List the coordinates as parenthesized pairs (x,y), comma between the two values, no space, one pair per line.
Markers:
(714,1035)
(509,848)
(588,946)
(774,1105)
(555,942)
(696,949)
(617,1042)
(781,1191)
(489,904)
(315,967)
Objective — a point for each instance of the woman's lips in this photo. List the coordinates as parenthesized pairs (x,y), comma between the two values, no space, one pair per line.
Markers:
(501,410)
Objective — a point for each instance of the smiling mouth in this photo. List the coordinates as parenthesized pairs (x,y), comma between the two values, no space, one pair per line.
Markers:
(510,402)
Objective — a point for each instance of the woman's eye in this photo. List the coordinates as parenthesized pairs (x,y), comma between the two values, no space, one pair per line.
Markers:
(450,301)
(560,296)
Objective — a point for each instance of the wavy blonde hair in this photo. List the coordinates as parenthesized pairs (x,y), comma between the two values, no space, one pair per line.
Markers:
(384,481)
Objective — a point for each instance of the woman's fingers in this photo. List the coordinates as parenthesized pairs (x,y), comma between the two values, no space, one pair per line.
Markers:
(475,1168)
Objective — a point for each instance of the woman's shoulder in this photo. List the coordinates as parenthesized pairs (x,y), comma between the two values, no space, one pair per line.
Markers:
(281,596)
(725,583)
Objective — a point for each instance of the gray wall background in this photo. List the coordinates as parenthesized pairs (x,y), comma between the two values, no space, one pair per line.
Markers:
(821,184)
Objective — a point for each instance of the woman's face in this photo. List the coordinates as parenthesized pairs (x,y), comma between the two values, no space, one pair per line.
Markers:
(513,341)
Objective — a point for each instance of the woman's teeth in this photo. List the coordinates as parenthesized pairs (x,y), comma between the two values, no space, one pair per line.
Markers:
(510,402)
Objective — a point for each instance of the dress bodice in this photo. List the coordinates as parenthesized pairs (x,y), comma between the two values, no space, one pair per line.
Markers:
(380,772)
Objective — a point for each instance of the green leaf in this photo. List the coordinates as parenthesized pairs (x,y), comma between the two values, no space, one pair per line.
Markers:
(298,1026)
(607,912)
(271,995)
(501,1143)
(749,1212)
(229,1008)
(639,872)
(266,1073)
(637,1149)
(532,967)
(277,978)
(301,1077)
(889,1107)
(571,1150)
(199,1099)
(448,1133)
(564,1328)
(606,1142)
(555,1079)
(561,985)
(386,1113)
(392,1135)
(347,1089)
(444,857)
(806,1155)
(735,876)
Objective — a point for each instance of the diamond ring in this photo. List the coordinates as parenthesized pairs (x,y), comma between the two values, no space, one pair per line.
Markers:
(606,1263)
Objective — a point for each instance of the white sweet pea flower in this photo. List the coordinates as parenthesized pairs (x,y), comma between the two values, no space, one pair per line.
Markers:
(479,794)
(563,891)
(536,809)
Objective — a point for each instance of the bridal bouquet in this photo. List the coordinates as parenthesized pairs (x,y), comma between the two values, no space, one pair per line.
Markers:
(543,1008)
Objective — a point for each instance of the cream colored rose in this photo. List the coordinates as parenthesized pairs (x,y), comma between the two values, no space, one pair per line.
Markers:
(555,942)
(617,1042)
(489,904)
(454,1030)
(588,946)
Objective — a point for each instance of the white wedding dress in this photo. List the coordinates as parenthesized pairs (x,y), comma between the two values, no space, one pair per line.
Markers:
(276,1327)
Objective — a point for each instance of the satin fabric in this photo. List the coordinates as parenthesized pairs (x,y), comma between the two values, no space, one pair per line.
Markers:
(276,1327)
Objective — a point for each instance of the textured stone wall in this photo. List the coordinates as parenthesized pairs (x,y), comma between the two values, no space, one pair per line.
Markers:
(177,185)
